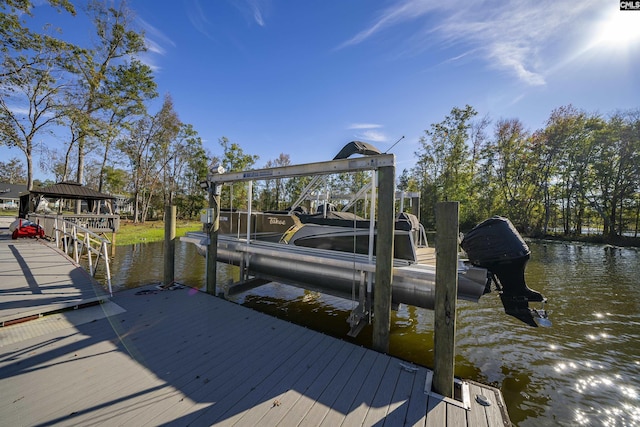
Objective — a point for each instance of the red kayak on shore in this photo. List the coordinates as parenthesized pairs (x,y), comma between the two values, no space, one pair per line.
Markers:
(26,228)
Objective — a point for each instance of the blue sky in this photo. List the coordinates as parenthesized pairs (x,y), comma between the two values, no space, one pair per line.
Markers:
(305,77)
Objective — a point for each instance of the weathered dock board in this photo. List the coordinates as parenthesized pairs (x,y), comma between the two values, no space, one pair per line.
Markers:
(182,357)
(36,278)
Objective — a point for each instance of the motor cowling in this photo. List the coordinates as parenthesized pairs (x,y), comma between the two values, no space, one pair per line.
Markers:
(496,245)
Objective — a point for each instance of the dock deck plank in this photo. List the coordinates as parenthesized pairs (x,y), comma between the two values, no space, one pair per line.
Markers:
(360,406)
(399,403)
(456,416)
(245,376)
(182,357)
(436,411)
(313,393)
(380,404)
(287,395)
(477,416)
(348,394)
(417,406)
(285,375)
(327,398)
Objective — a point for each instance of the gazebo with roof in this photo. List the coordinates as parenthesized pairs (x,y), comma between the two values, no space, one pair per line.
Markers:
(66,190)
(90,219)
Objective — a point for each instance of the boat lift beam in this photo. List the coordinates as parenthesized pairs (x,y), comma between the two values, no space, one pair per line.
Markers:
(384,167)
(319,168)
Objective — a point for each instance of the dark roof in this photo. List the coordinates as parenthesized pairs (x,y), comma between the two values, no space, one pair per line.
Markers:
(11,191)
(71,190)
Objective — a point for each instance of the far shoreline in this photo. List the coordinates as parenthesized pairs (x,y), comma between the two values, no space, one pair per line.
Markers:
(597,239)
(155,233)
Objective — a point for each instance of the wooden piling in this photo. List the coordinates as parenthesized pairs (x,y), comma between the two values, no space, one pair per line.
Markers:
(113,244)
(445,296)
(169,244)
(384,259)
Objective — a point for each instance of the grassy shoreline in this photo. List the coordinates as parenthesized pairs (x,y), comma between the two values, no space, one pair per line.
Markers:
(150,231)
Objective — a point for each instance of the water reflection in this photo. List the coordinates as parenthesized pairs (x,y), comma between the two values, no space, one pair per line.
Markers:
(584,370)
(142,264)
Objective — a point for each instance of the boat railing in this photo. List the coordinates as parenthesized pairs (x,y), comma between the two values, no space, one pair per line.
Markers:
(77,242)
(421,240)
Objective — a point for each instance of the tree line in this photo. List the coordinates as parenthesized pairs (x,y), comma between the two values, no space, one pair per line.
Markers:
(581,172)
(95,99)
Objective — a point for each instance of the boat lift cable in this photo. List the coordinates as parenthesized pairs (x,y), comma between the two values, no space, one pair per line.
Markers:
(361,309)
(353,277)
(374,184)
(394,144)
(249,206)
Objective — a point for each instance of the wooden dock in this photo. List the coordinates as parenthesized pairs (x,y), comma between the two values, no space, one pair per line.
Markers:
(182,357)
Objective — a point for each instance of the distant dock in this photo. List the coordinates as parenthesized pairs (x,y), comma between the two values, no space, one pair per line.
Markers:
(182,357)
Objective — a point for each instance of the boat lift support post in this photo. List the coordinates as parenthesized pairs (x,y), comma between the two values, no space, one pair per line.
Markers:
(447,227)
(213,225)
(384,259)
(384,164)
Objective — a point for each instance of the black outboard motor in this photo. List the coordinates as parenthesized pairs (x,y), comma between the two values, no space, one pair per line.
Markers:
(496,245)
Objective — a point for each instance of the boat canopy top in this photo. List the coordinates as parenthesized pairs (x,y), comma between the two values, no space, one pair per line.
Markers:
(357,147)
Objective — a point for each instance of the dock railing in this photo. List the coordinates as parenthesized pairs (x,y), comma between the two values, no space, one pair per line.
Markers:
(97,223)
(77,241)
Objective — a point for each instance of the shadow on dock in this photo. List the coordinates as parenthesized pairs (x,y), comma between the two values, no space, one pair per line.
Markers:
(37,279)
(182,357)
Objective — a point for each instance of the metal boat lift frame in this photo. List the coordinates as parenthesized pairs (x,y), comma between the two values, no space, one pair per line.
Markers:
(383,166)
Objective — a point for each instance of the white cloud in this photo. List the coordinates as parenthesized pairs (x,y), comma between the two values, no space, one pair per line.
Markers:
(155,42)
(197,17)
(257,12)
(19,111)
(154,47)
(364,126)
(512,36)
(372,135)
(154,38)
(397,14)
(369,132)
(252,10)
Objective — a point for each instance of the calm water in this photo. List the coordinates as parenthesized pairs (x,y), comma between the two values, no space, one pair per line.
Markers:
(584,370)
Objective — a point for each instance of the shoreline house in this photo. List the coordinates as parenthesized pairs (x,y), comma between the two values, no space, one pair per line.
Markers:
(10,195)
